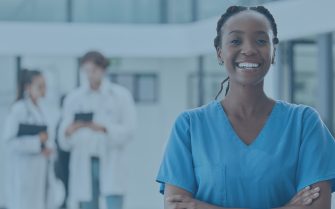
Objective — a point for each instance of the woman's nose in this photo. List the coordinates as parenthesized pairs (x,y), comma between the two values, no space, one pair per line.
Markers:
(248,49)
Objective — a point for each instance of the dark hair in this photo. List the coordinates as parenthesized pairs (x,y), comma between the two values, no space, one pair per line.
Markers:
(95,57)
(25,78)
(233,10)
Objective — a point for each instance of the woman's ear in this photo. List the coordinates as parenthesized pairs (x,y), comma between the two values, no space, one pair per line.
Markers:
(273,61)
(219,55)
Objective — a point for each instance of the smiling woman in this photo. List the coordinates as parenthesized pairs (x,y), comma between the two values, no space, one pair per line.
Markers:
(260,37)
(248,150)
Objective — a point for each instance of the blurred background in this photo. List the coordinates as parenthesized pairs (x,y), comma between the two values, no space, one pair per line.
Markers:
(162,51)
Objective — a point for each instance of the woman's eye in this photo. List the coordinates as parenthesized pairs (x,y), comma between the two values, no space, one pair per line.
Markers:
(235,42)
(261,41)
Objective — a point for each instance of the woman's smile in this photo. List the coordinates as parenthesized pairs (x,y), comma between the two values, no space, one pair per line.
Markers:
(247,66)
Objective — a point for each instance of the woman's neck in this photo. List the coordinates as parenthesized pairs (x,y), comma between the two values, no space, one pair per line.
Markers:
(34,101)
(246,101)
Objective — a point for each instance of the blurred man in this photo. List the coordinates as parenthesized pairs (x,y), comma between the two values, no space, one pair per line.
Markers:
(98,121)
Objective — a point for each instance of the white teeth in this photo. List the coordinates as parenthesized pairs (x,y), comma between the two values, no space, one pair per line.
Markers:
(247,65)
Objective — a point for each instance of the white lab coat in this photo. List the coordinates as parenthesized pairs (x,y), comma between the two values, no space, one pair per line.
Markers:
(113,107)
(27,169)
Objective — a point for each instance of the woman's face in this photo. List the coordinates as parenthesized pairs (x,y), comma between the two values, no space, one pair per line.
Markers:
(37,88)
(246,47)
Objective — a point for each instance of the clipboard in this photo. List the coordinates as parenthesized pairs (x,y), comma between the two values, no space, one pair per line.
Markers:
(30,129)
(83,117)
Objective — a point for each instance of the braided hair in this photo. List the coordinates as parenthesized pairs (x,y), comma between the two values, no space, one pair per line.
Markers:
(233,10)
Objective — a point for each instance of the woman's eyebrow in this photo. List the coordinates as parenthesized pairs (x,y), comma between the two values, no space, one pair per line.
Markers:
(235,31)
(261,32)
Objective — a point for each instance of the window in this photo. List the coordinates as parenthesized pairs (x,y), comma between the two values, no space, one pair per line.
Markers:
(143,87)
(33,10)
(115,11)
(212,85)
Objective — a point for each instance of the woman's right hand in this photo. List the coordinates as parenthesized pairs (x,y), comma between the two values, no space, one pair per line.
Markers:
(74,127)
(43,137)
(305,197)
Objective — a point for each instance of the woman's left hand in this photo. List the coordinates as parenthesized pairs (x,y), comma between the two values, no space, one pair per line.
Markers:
(305,197)
(47,152)
(181,202)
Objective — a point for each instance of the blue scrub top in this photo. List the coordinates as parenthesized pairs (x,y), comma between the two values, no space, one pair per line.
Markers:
(205,157)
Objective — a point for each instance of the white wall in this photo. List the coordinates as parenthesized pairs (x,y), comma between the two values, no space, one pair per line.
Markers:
(7,96)
(154,124)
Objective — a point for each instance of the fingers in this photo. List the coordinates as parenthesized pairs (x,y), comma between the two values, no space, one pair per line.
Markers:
(179,205)
(307,201)
(297,197)
(306,196)
(177,198)
(304,190)
(179,202)
(46,153)
(313,194)
(309,193)
(80,124)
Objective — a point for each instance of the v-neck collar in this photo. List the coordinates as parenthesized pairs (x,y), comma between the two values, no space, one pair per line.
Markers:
(258,138)
(35,111)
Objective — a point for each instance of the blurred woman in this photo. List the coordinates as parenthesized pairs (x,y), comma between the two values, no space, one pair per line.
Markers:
(28,136)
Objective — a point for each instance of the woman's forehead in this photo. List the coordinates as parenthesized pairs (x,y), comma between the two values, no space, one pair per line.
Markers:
(247,21)
(39,78)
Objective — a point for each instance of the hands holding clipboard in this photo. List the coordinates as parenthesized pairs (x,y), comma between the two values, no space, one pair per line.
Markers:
(84,120)
(34,130)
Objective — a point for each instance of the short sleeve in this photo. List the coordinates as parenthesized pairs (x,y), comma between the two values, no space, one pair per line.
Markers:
(177,165)
(317,152)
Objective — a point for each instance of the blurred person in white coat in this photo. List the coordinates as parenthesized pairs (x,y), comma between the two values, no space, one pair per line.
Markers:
(97,143)
(29,173)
